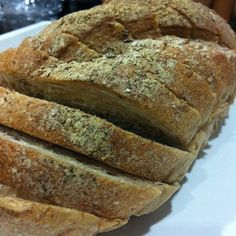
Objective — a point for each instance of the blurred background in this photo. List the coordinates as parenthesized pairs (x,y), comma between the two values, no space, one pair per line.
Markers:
(15,14)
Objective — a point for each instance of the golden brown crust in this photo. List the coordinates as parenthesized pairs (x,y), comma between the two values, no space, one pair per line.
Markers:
(212,63)
(181,18)
(20,216)
(33,167)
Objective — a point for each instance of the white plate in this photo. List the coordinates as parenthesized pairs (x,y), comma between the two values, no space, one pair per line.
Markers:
(206,204)
(14,38)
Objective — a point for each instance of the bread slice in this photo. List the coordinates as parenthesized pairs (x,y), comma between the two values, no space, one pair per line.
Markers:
(67,179)
(93,137)
(26,217)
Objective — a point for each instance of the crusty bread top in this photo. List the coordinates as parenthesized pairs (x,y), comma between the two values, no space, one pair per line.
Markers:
(145,19)
(183,18)
(175,84)
(87,34)
(20,216)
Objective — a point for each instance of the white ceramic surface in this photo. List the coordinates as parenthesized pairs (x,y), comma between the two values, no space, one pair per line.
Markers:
(206,204)
(13,38)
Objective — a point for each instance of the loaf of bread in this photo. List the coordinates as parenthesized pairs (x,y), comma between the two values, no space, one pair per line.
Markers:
(139,86)
(22,216)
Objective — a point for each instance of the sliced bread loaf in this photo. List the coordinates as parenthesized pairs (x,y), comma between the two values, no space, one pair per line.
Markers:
(70,180)
(93,137)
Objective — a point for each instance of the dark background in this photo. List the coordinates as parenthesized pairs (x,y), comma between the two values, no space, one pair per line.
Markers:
(75,5)
(68,7)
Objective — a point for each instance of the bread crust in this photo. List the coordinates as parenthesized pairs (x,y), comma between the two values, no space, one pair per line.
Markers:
(198,21)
